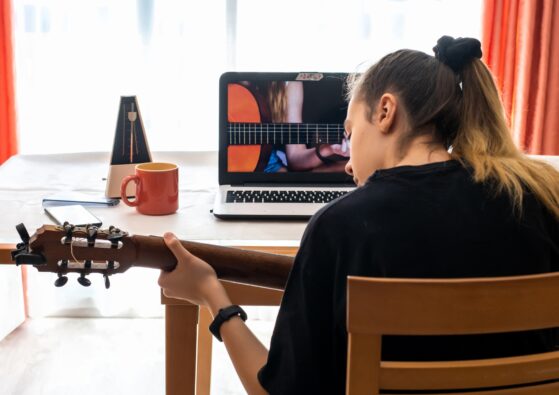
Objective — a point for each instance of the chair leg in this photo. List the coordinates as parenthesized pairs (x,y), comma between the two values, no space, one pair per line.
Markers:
(363,364)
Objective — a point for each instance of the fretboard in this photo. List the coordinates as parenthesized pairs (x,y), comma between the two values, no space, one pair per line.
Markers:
(247,267)
(285,133)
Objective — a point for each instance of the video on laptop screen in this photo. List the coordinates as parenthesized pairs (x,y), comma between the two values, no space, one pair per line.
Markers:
(287,126)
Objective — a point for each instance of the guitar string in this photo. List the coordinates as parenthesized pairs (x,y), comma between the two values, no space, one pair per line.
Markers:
(255,133)
(286,126)
(72,250)
(283,124)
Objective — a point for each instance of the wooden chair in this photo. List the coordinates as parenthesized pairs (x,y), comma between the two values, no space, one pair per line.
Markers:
(384,306)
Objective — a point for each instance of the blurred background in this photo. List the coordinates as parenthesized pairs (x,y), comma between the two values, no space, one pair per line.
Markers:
(74,59)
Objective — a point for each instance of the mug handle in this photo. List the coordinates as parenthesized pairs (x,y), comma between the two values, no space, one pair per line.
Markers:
(123,186)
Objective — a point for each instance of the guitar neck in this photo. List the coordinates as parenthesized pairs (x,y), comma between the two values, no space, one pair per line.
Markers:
(232,264)
(284,133)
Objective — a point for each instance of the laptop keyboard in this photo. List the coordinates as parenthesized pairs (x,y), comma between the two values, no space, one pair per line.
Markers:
(247,196)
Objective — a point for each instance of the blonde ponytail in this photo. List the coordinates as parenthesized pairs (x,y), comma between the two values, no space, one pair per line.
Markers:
(484,142)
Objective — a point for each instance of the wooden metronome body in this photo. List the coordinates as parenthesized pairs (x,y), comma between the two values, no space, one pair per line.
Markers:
(130,147)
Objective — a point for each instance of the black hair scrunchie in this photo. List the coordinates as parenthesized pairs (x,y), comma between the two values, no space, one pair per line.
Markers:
(456,53)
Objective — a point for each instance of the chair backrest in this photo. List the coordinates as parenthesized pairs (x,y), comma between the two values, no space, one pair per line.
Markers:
(389,306)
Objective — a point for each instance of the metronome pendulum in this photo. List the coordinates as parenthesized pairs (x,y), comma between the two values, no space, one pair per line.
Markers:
(132,115)
(123,127)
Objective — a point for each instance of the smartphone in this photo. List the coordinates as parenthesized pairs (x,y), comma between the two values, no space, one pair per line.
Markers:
(63,199)
(75,214)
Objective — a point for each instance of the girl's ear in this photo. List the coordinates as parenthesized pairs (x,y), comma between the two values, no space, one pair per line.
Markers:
(386,112)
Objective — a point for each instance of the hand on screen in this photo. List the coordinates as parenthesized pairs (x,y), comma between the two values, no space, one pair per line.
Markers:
(336,149)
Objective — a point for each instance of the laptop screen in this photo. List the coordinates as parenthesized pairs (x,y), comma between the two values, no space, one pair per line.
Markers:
(276,125)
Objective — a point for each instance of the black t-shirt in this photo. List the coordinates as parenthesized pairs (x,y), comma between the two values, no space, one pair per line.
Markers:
(429,221)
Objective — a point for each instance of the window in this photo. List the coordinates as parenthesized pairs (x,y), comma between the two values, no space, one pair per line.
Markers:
(75,59)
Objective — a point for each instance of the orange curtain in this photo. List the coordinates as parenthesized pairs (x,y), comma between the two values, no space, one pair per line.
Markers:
(8,141)
(8,138)
(521,47)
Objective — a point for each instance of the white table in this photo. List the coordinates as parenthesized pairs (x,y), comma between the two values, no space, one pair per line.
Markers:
(25,180)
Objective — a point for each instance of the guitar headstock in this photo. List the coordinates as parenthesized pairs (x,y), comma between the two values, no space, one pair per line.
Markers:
(70,249)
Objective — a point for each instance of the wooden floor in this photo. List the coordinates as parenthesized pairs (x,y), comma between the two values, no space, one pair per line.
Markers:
(87,356)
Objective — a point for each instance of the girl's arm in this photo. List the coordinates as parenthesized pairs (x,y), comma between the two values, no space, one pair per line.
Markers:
(195,281)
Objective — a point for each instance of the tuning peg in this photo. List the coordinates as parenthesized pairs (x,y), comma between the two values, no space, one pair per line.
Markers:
(22,231)
(60,281)
(84,281)
(91,234)
(25,258)
(107,281)
(114,229)
(69,229)
(115,234)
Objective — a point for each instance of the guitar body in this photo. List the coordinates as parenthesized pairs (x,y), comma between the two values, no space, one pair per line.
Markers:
(243,106)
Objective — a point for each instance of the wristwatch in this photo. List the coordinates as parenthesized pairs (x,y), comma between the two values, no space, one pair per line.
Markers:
(224,315)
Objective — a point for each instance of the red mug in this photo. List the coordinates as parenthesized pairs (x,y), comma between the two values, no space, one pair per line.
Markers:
(157,188)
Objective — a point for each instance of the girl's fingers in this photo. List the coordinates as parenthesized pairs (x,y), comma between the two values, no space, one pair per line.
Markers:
(175,246)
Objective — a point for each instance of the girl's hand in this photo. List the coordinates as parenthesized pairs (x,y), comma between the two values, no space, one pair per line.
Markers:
(192,279)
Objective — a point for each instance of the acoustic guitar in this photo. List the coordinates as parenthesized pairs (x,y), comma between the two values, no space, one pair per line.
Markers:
(85,250)
(251,135)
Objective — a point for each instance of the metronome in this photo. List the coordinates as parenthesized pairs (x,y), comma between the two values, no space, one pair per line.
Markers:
(130,147)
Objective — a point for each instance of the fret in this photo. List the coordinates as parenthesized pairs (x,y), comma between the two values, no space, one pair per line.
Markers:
(289,132)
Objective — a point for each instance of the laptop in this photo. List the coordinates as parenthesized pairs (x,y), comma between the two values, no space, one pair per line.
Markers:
(282,146)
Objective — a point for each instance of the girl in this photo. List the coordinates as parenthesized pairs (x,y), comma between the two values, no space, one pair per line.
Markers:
(443,192)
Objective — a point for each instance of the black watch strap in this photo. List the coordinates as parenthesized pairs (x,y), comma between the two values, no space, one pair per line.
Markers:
(224,315)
